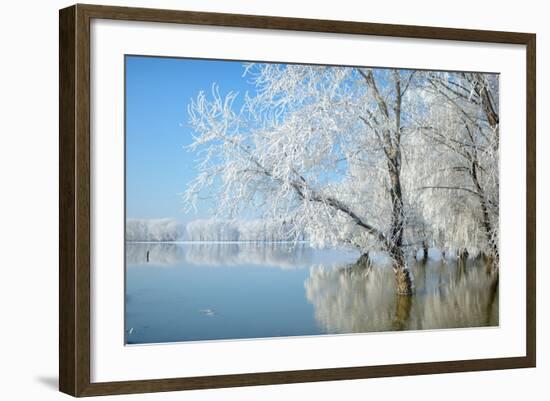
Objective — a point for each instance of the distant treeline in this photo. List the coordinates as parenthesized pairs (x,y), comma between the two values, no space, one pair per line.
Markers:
(212,230)
(153,230)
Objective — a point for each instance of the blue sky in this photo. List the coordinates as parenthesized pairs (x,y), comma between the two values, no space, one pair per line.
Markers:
(158,91)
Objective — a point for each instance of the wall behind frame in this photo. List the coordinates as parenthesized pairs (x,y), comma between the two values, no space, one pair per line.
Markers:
(28,205)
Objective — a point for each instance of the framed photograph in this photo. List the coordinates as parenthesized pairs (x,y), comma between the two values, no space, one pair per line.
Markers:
(250,200)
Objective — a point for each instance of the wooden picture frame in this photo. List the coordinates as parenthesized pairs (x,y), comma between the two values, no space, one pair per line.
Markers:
(75,206)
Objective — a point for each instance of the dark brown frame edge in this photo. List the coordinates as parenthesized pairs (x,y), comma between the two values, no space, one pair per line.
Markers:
(74,199)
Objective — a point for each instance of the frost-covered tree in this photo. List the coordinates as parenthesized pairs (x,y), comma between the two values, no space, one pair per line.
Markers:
(336,148)
(460,194)
(303,144)
(242,230)
(211,230)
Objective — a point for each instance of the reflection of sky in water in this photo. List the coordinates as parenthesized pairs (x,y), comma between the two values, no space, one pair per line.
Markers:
(206,291)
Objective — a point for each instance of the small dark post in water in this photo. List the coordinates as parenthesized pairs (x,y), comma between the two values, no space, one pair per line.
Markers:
(147,255)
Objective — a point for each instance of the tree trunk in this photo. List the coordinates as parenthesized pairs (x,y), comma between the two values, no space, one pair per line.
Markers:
(403,277)
(390,139)
(404,282)
(364,261)
(491,263)
(486,219)
(402,274)
(463,254)
(424,251)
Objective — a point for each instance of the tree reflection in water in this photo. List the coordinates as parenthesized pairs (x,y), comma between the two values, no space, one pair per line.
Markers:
(361,297)
(348,298)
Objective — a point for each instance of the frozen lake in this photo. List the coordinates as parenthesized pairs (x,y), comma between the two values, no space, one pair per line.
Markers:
(212,291)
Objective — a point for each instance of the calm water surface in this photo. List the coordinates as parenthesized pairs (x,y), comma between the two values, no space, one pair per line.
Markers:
(212,291)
